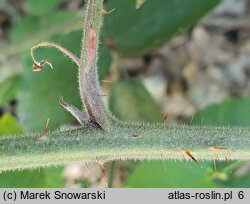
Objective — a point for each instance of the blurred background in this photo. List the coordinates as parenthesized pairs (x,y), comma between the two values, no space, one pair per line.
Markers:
(173,62)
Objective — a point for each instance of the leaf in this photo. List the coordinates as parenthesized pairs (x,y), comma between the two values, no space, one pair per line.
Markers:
(133,31)
(42,7)
(169,174)
(60,17)
(32,25)
(39,178)
(104,61)
(28,25)
(237,181)
(9,125)
(130,101)
(232,111)
(8,89)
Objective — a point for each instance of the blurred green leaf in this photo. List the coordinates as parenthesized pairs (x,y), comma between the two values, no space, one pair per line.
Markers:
(60,17)
(25,27)
(39,178)
(130,101)
(228,176)
(104,61)
(237,181)
(30,25)
(232,111)
(136,31)
(8,89)
(170,174)
(9,125)
(42,7)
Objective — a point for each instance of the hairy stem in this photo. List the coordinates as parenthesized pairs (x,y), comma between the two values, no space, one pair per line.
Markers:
(119,140)
(150,142)
(88,77)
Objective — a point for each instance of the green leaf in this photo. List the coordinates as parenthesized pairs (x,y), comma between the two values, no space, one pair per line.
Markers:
(8,89)
(232,111)
(39,178)
(136,31)
(130,101)
(9,125)
(25,27)
(237,181)
(42,7)
(31,25)
(104,61)
(60,17)
(170,174)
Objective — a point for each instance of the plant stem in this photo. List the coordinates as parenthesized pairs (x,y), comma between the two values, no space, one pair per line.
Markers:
(119,140)
(88,77)
(155,142)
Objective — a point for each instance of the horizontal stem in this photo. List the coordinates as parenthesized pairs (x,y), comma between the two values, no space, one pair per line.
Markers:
(124,141)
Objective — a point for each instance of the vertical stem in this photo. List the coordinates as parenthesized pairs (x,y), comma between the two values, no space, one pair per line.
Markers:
(88,77)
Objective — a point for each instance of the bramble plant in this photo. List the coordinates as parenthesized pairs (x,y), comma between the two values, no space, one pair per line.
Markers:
(103,136)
